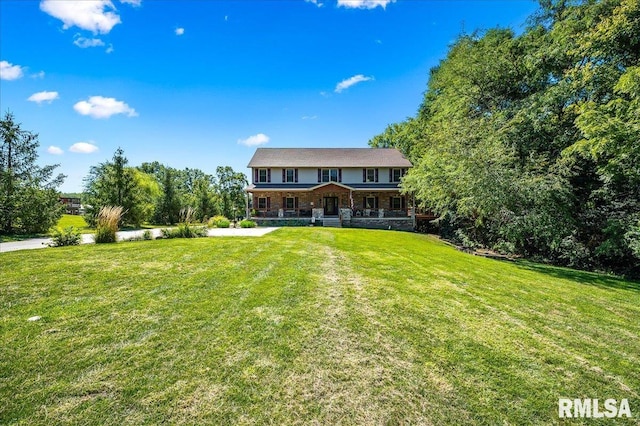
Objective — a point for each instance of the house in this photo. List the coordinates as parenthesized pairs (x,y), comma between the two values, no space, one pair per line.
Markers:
(72,204)
(354,187)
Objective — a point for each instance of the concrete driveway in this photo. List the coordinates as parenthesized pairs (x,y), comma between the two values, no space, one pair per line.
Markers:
(37,243)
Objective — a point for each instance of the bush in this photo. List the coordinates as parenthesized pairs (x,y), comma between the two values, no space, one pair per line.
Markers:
(69,236)
(107,224)
(219,222)
(184,231)
(147,235)
(223,223)
(247,224)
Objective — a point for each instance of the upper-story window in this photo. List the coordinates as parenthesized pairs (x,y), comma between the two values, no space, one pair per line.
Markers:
(263,175)
(289,175)
(370,175)
(396,174)
(330,175)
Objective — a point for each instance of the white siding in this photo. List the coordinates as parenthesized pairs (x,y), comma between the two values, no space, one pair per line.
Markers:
(349,175)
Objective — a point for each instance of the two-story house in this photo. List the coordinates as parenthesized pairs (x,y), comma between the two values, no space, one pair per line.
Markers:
(357,186)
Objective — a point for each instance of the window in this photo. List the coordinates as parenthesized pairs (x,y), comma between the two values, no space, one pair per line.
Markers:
(396,203)
(263,175)
(289,203)
(290,175)
(396,174)
(371,175)
(262,202)
(330,175)
(371,202)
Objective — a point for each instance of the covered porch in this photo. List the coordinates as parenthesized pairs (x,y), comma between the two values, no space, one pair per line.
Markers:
(328,200)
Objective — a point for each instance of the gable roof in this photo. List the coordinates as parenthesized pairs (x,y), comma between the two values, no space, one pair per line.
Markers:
(328,157)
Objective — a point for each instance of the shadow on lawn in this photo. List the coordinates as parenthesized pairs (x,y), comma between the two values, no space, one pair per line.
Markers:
(582,277)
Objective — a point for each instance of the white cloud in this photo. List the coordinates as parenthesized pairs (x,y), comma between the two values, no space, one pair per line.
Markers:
(83,42)
(9,71)
(101,107)
(364,4)
(132,2)
(309,117)
(83,148)
(316,2)
(255,140)
(98,16)
(179,31)
(345,84)
(55,150)
(43,97)
(38,75)
(109,49)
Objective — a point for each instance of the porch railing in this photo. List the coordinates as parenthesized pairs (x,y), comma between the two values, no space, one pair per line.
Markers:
(306,212)
(372,213)
(276,213)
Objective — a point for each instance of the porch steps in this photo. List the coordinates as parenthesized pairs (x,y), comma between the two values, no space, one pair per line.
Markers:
(333,222)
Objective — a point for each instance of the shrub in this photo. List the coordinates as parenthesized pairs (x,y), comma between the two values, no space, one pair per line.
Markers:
(147,235)
(185,229)
(219,222)
(107,224)
(223,223)
(69,236)
(247,224)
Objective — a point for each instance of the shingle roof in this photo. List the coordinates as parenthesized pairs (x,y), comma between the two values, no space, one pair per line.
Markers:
(328,157)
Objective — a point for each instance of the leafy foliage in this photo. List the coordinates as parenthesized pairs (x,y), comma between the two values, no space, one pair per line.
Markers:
(246,223)
(185,228)
(219,221)
(114,184)
(28,196)
(69,236)
(529,143)
(231,186)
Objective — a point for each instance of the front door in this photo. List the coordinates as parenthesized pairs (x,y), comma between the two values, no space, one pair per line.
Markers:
(330,206)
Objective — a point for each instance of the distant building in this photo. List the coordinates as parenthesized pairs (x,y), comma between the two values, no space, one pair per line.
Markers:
(72,204)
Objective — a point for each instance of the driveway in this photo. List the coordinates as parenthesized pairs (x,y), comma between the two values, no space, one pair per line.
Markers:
(37,243)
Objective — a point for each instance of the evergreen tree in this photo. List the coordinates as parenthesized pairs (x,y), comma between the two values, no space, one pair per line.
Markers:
(28,196)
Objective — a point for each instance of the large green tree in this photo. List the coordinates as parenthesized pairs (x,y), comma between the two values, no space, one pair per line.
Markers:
(113,183)
(28,193)
(529,143)
(231,186)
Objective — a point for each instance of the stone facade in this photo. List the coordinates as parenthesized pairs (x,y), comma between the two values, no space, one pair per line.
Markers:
(398,224)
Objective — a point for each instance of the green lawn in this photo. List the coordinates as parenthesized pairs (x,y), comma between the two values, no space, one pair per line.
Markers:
(77,221)
(74,220)
(307,326)
(65,221)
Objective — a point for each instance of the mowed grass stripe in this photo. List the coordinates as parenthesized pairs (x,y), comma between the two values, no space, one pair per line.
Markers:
(306,325)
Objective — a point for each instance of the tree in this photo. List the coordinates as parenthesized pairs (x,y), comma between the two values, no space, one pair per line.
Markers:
(168,210)
(530,142)
(231,186)
(28,196)
(115,184)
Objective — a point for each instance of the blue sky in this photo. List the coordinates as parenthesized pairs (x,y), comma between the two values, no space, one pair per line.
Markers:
(203,83)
